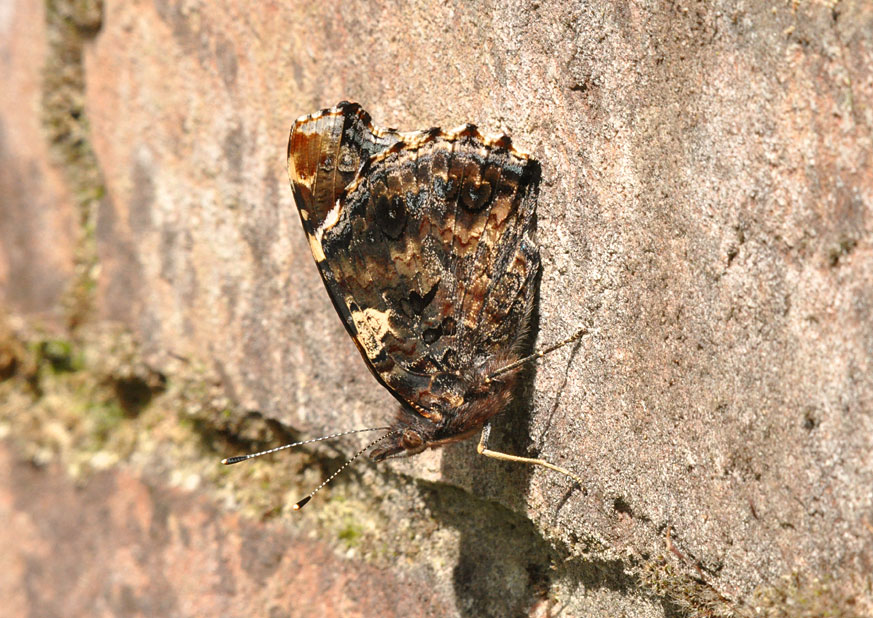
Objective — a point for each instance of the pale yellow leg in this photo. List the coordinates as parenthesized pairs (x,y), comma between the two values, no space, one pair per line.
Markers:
(482,449)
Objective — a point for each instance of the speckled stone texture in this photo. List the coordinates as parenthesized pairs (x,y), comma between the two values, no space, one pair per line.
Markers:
(706,209)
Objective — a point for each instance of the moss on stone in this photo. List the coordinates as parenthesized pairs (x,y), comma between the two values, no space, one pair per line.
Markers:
(69,24)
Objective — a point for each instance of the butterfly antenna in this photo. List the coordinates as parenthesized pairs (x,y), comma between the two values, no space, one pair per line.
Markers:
(232,460)
(303,502)
(527,359)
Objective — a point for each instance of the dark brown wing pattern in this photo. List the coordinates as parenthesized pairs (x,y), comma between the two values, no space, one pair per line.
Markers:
(429,255)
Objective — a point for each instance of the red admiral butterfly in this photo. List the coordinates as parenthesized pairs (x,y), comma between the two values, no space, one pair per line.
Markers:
(426,244)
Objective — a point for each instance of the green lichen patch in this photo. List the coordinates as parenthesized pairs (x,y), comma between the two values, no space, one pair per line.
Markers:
(57,403)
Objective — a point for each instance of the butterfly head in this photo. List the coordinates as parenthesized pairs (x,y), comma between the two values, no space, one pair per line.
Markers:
(408,442)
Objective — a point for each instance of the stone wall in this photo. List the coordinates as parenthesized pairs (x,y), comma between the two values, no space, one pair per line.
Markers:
(706,210)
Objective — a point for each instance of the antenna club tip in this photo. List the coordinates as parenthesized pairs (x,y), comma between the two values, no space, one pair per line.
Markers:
(232,460)
(302,503)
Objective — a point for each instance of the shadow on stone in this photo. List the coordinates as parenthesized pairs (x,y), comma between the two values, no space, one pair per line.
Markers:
(505,567)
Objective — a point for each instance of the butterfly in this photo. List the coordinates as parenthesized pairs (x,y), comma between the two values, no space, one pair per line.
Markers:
(426,244)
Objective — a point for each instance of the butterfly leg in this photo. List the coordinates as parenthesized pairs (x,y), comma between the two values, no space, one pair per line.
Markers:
(483,449)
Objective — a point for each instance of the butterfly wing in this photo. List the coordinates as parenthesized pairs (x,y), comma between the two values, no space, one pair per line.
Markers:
(428,251)
(325,151)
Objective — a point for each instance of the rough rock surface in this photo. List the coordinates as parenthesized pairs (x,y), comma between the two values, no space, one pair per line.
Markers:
(706,209)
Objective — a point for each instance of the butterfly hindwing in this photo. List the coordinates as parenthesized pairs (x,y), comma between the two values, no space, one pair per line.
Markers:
(426,234)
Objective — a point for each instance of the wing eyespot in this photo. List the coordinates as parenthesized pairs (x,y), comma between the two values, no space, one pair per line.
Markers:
(390,213)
